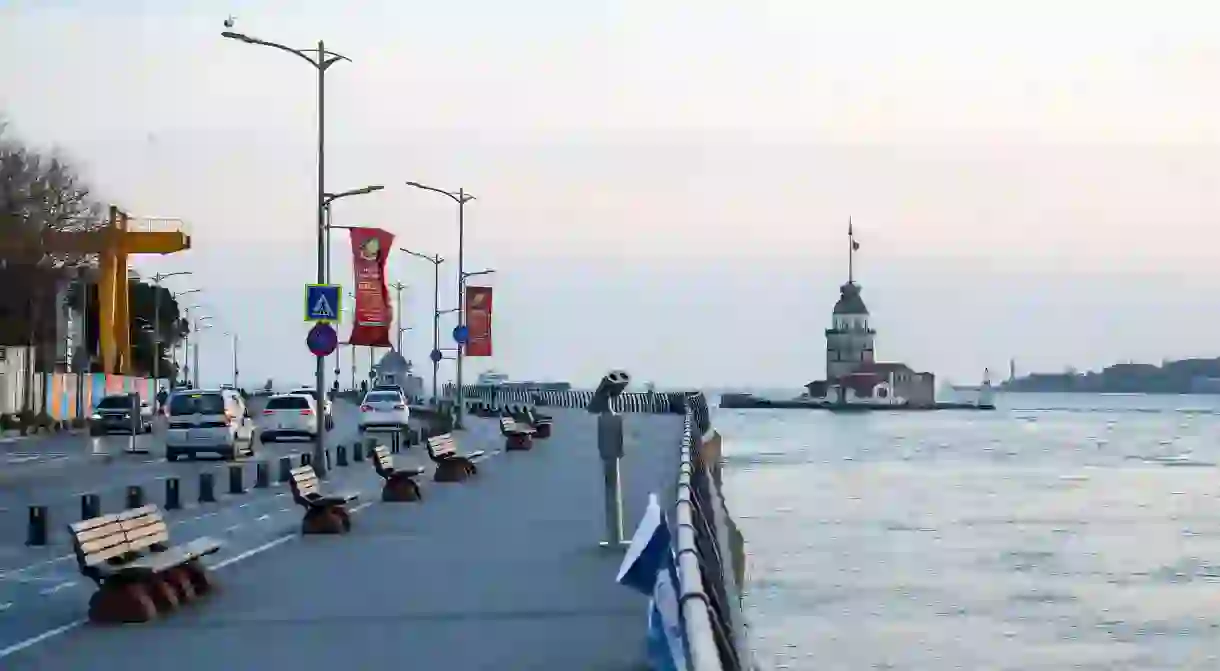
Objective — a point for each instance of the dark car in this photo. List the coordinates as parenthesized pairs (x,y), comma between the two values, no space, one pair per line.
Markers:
(114,414)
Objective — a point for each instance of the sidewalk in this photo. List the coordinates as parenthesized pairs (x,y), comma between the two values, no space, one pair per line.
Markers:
(500,572)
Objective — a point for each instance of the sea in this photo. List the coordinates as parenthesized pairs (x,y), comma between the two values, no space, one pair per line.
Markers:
(1064,532)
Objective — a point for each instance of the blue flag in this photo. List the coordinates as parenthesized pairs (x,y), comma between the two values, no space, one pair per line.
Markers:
(649,546)
(666,635)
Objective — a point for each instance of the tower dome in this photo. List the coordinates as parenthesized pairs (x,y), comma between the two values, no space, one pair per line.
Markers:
(850,302)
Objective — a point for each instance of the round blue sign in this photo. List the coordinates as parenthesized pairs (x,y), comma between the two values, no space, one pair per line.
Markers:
(436,356)
(322,339)
(461,334)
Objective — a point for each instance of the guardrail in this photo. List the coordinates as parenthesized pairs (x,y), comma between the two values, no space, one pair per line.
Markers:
(709,551)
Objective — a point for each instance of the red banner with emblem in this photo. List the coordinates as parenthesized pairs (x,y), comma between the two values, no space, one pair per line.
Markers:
(478,321)
(373,313)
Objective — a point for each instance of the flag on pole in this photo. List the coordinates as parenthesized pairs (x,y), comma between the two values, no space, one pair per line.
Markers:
(649,567)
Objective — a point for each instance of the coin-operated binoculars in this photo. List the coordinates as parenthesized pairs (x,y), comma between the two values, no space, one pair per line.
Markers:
(610,447)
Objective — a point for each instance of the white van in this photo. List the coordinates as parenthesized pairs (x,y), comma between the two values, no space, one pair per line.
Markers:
(208,421)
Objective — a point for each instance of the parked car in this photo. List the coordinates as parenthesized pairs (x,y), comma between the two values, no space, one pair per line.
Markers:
(113,413)
(327,406)
(208,421)
(289,415)
(384,410)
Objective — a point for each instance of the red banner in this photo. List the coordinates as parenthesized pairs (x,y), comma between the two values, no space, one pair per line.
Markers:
(478,321)
(374,314)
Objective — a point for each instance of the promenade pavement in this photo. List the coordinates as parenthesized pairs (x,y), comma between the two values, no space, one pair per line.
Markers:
(500,572)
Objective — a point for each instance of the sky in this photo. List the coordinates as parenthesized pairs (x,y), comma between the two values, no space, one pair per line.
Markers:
(665,186)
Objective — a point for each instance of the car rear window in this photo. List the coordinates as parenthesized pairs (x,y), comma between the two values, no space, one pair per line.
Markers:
(115,402)
(201,404)
(288,403)
(383,397)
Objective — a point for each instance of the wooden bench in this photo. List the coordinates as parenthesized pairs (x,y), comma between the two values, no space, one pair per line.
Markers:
(400,484)
(517,436)
(450,465)
(324,513)
(542,423)
(138,573)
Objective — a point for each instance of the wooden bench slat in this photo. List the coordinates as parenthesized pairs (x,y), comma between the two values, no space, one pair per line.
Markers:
(85,525)
(104,543)
(101,557)
(98,532)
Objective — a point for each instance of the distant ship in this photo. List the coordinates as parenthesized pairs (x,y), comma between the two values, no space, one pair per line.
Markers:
(492,377)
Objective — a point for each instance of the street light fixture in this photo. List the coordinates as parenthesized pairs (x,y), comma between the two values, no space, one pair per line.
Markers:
(327,199)
(321,60)
(436,262)
(201,326)
(461,198)
(157,321)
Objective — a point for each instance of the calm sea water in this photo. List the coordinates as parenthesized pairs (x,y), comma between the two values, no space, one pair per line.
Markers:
(1059,532)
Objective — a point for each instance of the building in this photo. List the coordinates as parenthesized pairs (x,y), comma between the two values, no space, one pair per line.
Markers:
(394,369)
(853,374)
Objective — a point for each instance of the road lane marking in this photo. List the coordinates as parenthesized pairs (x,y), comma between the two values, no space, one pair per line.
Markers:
(61,586)
(46,562)
(262,518)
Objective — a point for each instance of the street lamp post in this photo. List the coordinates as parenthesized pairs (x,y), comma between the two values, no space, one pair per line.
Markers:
(233,336)
(157,322)
(321,60)
(398,287)
(198,326)
(461,198)
(436,262)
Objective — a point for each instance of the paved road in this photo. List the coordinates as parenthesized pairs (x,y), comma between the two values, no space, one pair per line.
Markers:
(499,572)
(54,471)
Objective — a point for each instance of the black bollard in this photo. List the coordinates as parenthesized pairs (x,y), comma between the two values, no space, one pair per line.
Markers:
(395,442)
(306,459)
(37,532)
(90,506)
(173,494)
(262,475)
(236,486)
(357,453)
(207,488)
(285,469)
(341,455)
(135,496)
(326,453)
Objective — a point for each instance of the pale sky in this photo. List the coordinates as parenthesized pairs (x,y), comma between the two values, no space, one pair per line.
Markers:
(664,186)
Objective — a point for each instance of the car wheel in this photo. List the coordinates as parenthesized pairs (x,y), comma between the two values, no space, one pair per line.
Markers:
(268,437)
(171,456)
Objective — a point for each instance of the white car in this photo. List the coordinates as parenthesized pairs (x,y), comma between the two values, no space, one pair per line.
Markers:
(289,415)
(384,410)
(214,422)
(327,406)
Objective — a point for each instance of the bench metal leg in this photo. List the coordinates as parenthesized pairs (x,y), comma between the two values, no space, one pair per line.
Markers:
(120,602)
(163,593)
(180,579)
(332,520)
(520,441)
(399,489)
(200,578)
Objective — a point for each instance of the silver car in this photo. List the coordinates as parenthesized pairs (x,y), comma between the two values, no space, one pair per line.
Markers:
(211,422)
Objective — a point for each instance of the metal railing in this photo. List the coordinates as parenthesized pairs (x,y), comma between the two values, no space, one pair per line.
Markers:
(710,608)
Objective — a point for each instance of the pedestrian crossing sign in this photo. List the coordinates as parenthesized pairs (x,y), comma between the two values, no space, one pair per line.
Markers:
(322,302)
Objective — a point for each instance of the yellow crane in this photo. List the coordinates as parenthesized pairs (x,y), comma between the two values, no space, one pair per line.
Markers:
(119,238)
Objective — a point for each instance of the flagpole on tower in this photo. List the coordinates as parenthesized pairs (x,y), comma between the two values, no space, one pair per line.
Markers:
(851,253)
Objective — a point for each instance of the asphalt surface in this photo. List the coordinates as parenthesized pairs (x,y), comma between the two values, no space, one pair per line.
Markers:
(503,571)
